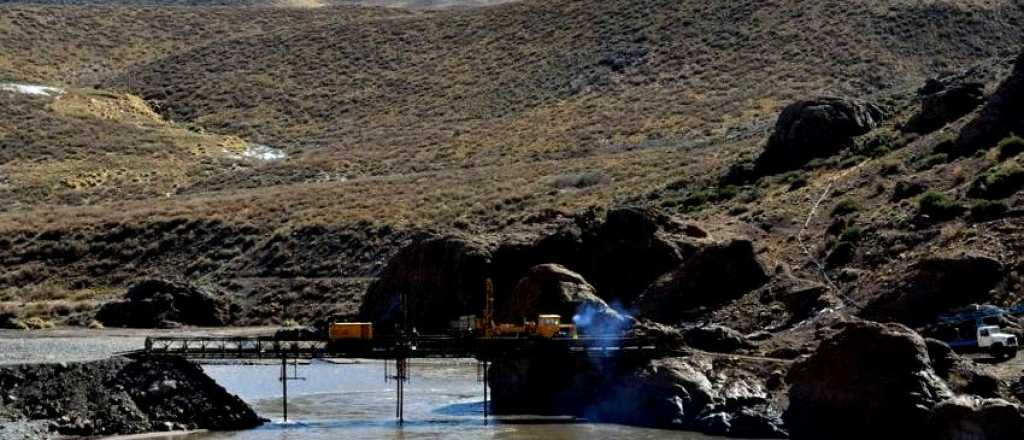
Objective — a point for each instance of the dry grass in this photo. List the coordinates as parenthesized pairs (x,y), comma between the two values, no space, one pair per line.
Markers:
(476,120)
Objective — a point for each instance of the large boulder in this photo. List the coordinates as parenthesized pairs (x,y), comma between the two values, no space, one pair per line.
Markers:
(969,417)
(937,285)
(158,303)
(620,255)
(962,375)
(870,380)
(631,249)
(816,128)
(1000,116)
(675,393)
(551,288)
(717,273)
(943,103)
(436,279)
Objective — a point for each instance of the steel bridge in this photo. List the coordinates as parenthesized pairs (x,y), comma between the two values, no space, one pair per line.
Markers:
(400,349)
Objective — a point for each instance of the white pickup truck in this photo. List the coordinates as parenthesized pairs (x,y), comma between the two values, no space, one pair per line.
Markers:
(991,339)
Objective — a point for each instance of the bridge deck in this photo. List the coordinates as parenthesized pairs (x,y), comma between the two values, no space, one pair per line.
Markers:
(393,348)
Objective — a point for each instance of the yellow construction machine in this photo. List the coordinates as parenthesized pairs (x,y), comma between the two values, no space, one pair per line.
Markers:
(546,326)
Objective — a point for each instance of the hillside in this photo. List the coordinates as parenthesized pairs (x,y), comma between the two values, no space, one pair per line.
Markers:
(399,4)
(485,121)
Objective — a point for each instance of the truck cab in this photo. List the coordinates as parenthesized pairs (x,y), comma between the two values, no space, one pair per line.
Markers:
(1000,344)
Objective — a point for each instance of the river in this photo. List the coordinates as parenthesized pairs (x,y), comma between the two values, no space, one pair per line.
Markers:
(352,402)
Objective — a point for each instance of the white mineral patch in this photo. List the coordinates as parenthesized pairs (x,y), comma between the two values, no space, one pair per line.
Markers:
(31,89)
(259,152)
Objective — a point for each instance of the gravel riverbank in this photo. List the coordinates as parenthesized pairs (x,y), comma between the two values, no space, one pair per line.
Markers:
(79,345)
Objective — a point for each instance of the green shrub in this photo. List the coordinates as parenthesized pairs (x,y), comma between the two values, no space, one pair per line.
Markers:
(905,189)
(939,206)
(794,179)
(844,207)
(985,210)
(852,161)
(890,168)
(998,182)
(1010,147)
(842,254)
(852,234)
(930,161)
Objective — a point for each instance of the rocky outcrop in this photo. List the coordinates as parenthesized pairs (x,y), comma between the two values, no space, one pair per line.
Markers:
(164,303)
(551,288)
(632,248)
(619,255)
(816,128)
(673,393)
(443,277)
(120,396)
(439,278)
(717,273)
(999,117)
(943,103)
(716,338)
(967,417)
(868,381)
(962,375)
(937,285)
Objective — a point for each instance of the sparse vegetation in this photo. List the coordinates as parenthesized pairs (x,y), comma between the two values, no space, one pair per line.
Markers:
(890,168)
(1010,147)
(845,207)
(930,161)
(576,104)
(998,182)
(939,206)
(986,210)
(852,234)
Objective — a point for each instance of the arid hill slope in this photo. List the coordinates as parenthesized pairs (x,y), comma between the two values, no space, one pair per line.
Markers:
(481,120)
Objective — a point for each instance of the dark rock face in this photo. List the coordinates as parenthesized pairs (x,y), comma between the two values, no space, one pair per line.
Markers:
(1000,116)
(441,278)
(121,396)
(630,250)
(8,320)
(551,288)
(937,285)
(716,338)
(869,380)
(962,376)
(670,393)
(159,303)
(816,128)
(967,417)
(717,273)
(942,104)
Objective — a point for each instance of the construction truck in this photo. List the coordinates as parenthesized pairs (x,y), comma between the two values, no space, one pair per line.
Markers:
(990,338)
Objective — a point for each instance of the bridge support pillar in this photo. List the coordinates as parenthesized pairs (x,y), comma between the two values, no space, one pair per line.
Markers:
(486,403)
(284,386)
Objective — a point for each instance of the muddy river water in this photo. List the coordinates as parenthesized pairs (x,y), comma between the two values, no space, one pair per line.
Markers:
(353,402)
